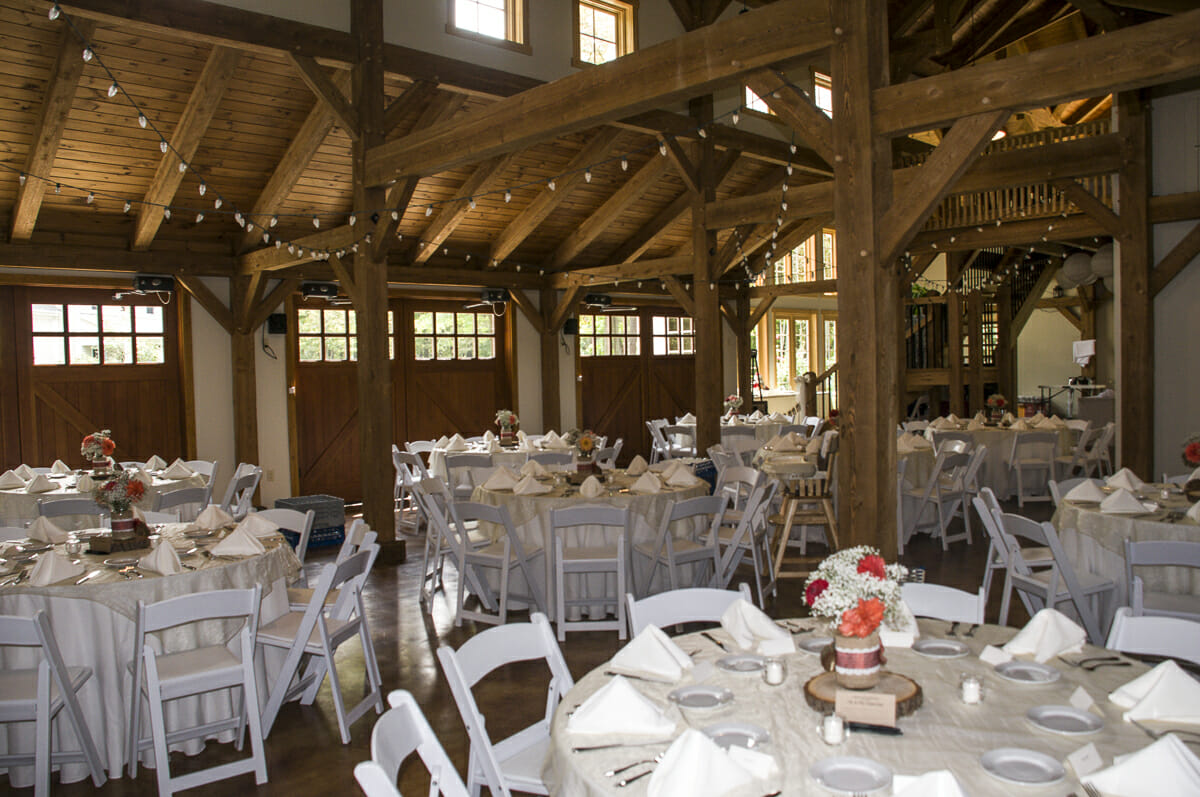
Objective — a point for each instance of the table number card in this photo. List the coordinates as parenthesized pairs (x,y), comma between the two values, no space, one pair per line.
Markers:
(1081,700)
(1085,760)
(872,708)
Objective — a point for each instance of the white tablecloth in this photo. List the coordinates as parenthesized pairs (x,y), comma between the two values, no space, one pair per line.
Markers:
(510,457)
(18,507)
(996,472)
(94,626)
(943,734)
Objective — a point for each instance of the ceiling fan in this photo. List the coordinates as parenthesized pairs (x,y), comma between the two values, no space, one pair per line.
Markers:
(602,302)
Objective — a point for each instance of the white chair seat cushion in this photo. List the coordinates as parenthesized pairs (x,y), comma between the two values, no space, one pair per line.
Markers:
(203,665)
(282,631)
(302,596)
(597,554)
(18,691)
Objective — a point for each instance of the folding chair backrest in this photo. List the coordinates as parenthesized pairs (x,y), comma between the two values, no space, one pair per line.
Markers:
(292,520)
(467,469)
(607,457)
(1155,636)
(240,492)
(736,431)
(35,632)
(738,481)
(193,499)
(206,469)
(944,603)
(723,459)
(403,730)
(1156,553)
(464,512)
(947,440)
(1034,445)
(354,538)
(197,606)
(590,515)
(409,464)
(59,507)
(689,605)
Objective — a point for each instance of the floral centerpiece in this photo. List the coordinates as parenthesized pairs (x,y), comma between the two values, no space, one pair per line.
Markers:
(584,442)
(507,420)
(1191,451)
(120,494)
(97,446)
(856,591)
(996,403)
(732,403)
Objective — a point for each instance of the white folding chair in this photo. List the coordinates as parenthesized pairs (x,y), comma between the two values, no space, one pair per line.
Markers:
(659,449)
(678,606)
(1065,465)
(988,509)
(164,675)
(205,468)
(737,482)
(410,470)
(315,634)
(466,471)
(239,494)
(952,442)
(358,537)
(944,494)
(295,521)
(433,497)
(1032,454)
(915,426)
(186,502)
(699,548)
(606,458)
(751,538)
(1154,636)
(1161,553)
(37,694)
(1058,489)
(586,556)
(400,732)
(87,512)
(515,763)
(681,440)
(1099,458)
(722,459)
(1182,478)
(944,603)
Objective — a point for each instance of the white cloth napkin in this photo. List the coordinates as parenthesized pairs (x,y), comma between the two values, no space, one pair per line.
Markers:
(211,517)
(1019,425)
(441,442)
(591,488)
(530,486)
(952,418)
(553,440)
(52,568)
(456,443)
(670,468)
(45,530)
(1165,767)
(60,468)
(535,469)
(24,471)
(40,483)
(10,480)
(687,418)
(753,630)
(1124,478)
(502,478)
(914,442)
(162,560)
(682,477)
(905,631)
(646,484)
(814,446)
(143,477)
(618,708)
(156,463)
(779,417)
(1194,512)
(1008,416)
(1056,422)
(85,483)
(1085,491)
(239,543)
(974,425)
(652,654)
(756,416)
(1123,502)
(637,466)
(937,783)
(695,765)
(1165,693)
(489,436)
(1047,635)
(939,423)
(979,416)
(790,442)
(1037,418)
(178,470)
(258,525)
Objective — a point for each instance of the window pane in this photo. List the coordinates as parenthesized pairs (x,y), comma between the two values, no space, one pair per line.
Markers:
(150,350)
(352,322)
(587,24)
(485,324)
(487,348)
(658,325)
(445,348)
(606,26)
(618,346)
(444,324)
(335,322)
(686,343)
(685,326)
(47,317)
(116,318)
(422,323)
(310,349)
(491,22)
(587,347)
(391,348)
(335,349)
(586,324)
(391,322)
(83,318)
(601,325)
(353,344)
(633,346)
(148,319)
(466,348)
(83,350)
(672,345)
(660,346)
(118,350)
(605,52)
(423,348)
(602,347)
(783,356)
(617,323)
(673,325)
(631,324)
(466,323)
(308,321)
(49,351)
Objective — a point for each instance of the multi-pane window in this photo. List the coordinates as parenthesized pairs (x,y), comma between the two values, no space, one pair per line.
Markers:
(804,263)
(331,335)
(823,92)
(448,335)
(91,334)
(501,20)
(605,30)
(609,335)
(753,102)
(672,335)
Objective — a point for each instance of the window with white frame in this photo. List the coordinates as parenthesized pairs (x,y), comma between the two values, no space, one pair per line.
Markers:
(609,335)
(605,30)
(501,22)
(755,103)
(97,334)
(671,335)
(331,335)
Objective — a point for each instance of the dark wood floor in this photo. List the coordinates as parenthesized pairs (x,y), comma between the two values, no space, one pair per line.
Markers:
(304,752)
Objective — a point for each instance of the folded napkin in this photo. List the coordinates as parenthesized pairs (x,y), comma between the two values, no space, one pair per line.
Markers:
(652,654)
(1124,478)
(25,472)
(521,435)
(85,483)
(688,418)
(618,708)
(695,764)
(535,469)
(1019,426)
(530,486)
(637,466)
(44,530)
(939,423)
(489,436)
(979,416)
(901,634)
(493,446)
(156,463)
(52,568)
(10,480)
(554,440)
(731,420)
(591,488)
(974,425)
(790,442)
(441,442)
(814,446)
(1165,767)
(1037,418)
(1047,635)
(40,483)
(1194,512)
(670,468)
(258,525)
(502,478)
(753,630)
(143,477)
(60,468)
(178,470)
(1123,502)
(938,783)
(1008,416)
(239,543)
(456,443)
(778,416)
(904,444)
(952,418)
(1056,422)
(1085,491)
(210,518)
(755,416)
(918,442)
(1166,693)
(682,477)
(162,560)
(523,444)
(646,484)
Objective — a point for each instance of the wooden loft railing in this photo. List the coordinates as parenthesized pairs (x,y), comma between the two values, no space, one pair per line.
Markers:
(824,395)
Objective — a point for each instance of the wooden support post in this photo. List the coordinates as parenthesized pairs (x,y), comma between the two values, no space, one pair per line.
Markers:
(745,379)
(954,323)
(245,386)
(1087,317)
(1006,354)
(868,290)
(1135,307)
(975,351)
(705,297)
(551,394)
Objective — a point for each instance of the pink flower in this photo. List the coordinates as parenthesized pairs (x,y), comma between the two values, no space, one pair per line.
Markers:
(1191,453)
(873,565)
(814,590)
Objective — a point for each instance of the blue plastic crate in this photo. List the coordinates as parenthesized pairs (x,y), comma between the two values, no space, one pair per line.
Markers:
(329,510)
(330,535)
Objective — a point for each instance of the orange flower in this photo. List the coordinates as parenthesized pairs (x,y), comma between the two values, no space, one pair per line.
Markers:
(862,620)
(108,446)
(873,565)
(135,490)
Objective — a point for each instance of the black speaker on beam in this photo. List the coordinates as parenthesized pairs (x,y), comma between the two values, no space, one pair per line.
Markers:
(277,324)
(571,326)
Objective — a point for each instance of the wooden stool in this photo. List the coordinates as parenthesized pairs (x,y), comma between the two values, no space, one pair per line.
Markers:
(807,501)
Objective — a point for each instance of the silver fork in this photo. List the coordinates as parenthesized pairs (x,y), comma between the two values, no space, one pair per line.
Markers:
(639,776)
(953,629)
(628,767)
(1090,790)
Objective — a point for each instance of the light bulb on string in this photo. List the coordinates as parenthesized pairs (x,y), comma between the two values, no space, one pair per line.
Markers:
(182,166)
(395,215)
(266,237)
(167,214)
(662,149)
(113,89)
(21,178)
(507,196)
(87,53)
(735,118)
(162,145)
(58,188)
(128,205)
(141,120)
(291,249)
(316,222)
(702,132)
(91,197)
(249,226)
(353,219)
(789,170)
(428,210)
(199,216)
(278,243)
(54,12)
(202,188)
(471,203)
(237,216)
(274,221)
(550,185)
(217,203)
(587,175)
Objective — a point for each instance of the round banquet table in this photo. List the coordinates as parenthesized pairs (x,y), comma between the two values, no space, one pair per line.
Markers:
(531,520)
(511,457)
(93,624)
(1095,541)
(18,507)
(996,470)
(943,734)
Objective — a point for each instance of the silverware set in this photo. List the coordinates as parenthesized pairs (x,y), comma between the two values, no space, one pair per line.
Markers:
(1095,662)
(970,632)
(715,641)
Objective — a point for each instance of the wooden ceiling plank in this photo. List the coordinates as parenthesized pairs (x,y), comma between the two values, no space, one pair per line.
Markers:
(911,207)
(1175,261)
(322,85)
(676,289)
(672,71)
(523,303)
(48,129)
(796,289)
(1152,53)
(209,301)
(1086,201)
(528,220)
(624,272)
(795,108)
(1101,13)
(452,213)
(186,138)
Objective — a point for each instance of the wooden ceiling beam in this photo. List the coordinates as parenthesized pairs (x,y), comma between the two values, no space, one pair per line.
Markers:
(74,257)
(525,305)
(684,164)
(623,272)
(47,133)
(1175,261)
(676,289)
(453,212)
(795,289)
(725,137)
(258,316)
(250,295)
(1101,13)
(272,259)
(416,95)
(795,108)
(1022,314)
(673,71)
(322,85)
(973,36)
(345,279)
(209,301)
(1086,201)
(566,303)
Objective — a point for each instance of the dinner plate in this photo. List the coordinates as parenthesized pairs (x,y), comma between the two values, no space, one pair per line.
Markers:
(814,644)
(35,547)
(941,648)
(1065,719)
(701,696)
(1027,672)
(742,662)
(1021,766)
(736,734)
(121,561)
(851,775)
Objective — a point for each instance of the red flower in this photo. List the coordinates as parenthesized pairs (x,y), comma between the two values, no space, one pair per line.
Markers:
(1191,453)
(135,489)
(873,565)
(814,590)
(108,446)
(862,620)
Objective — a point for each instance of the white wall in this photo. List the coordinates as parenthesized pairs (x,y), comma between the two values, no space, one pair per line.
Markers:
(1044,355)
(212,375)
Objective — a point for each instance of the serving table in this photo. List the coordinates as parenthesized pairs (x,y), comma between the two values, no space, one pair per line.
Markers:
(18,507)
(94,625)
(944,733)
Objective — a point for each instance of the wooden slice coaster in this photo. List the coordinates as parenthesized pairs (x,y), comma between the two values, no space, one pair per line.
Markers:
(821,691)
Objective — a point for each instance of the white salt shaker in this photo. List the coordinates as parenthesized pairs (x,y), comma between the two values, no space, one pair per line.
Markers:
(774,672)
(833,730)
(971,689)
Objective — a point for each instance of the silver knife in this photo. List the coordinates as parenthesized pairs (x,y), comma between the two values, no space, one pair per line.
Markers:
(88,576)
